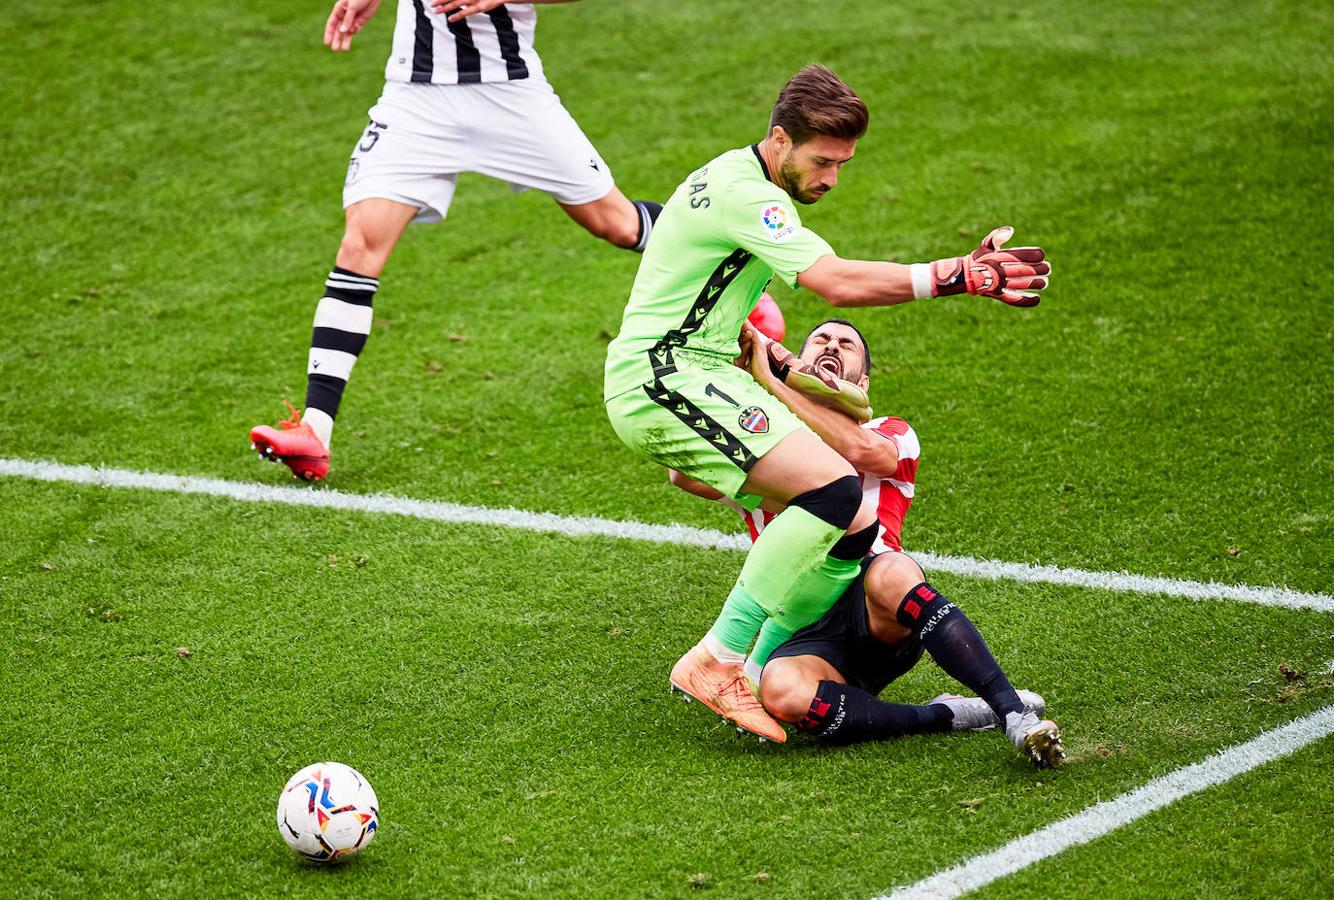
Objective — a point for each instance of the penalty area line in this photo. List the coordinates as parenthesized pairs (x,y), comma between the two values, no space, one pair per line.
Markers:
(1104,818)
(595,526)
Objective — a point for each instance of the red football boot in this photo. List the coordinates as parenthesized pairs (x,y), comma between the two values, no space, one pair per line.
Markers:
(293,444)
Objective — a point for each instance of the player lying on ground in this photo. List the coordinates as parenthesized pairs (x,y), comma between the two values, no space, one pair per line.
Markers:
(883,451)
(673,395)
(464,92)
(827,676)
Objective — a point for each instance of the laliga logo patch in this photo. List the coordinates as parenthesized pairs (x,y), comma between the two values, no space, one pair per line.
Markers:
(777,223)
(754,420)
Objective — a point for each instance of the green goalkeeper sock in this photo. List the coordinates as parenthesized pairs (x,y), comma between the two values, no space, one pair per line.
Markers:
(773,567)
(817,590)
(790,546)
(812,595)
(795,543)
(772,636)
(736,625)
(774,570)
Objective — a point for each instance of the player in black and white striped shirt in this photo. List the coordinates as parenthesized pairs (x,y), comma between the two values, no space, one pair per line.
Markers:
(464,92)
(476,48)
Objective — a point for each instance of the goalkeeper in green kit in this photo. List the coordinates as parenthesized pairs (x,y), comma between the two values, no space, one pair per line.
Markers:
(674,395)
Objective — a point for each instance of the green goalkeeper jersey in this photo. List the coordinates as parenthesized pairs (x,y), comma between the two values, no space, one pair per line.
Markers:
(725,232)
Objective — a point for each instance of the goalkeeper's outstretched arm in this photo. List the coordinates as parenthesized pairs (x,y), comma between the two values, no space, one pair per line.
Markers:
(858,282)
(1013,276)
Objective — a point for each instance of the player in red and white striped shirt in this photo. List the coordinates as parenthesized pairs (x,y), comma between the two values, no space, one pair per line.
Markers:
(884,451)
(825,679)
(891,493)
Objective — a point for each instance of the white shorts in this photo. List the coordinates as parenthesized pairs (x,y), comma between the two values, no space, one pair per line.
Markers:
(421,136)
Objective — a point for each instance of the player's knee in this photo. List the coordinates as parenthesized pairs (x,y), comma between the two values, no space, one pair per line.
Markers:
(891,577)
(902,600)
(362,251)
(836,502)
(867,516)
(786,691)
(355,253)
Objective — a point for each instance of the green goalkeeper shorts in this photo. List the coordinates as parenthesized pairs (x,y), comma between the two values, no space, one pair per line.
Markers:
(710,424)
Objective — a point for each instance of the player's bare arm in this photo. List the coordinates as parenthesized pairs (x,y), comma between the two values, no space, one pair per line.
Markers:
(461,9)
(700,489)
(857,282)
(346,19)
(868,453)
(693,486)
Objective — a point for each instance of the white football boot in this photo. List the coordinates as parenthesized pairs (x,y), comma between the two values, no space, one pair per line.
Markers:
(973,714)
(1036,738)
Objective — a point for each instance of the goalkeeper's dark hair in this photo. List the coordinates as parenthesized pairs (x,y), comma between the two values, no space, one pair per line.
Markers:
(816,102)
(866,348)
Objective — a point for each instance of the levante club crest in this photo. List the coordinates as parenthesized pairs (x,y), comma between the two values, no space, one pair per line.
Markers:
(754,420)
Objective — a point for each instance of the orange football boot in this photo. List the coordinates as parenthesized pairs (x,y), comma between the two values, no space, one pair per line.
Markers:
(293,444)
(724,689)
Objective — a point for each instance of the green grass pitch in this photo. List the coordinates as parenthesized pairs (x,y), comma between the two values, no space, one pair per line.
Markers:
(169,206)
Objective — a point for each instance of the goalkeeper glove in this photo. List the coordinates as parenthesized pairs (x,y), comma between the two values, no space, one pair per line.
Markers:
(1012,276)
(819,385)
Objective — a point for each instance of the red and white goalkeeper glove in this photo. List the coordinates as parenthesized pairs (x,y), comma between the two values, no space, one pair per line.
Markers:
(819,385)
(1012,276)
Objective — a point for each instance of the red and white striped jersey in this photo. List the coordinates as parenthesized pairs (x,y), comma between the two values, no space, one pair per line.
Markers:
(892,496)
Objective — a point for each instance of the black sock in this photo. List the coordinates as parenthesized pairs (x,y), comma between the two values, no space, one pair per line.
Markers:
(855,546)
(957,647)
(648,214)
(342,324)
(843,714)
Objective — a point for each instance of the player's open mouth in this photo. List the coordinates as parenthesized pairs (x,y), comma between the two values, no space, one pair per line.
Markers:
(831,364)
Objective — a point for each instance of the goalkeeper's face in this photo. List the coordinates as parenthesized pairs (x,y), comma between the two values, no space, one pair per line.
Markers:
(810,170)
(837,349)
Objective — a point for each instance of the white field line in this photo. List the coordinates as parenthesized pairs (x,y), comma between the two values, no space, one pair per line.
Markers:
(584,526)
(1103,818)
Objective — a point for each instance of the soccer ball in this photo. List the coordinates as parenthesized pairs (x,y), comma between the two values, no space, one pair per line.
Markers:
(328,811)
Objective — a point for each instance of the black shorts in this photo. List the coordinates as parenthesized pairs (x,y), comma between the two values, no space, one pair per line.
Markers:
(843,639)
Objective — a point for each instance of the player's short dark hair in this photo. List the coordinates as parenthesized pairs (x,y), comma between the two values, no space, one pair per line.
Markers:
(816,102)
(866,348)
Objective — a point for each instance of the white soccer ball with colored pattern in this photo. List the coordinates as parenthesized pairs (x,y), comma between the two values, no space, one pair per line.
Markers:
(328,811)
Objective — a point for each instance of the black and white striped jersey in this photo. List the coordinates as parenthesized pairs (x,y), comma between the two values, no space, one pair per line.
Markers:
(491,46)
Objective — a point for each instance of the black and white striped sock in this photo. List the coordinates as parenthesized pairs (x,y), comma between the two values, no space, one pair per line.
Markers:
(648,214)
(342,323)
